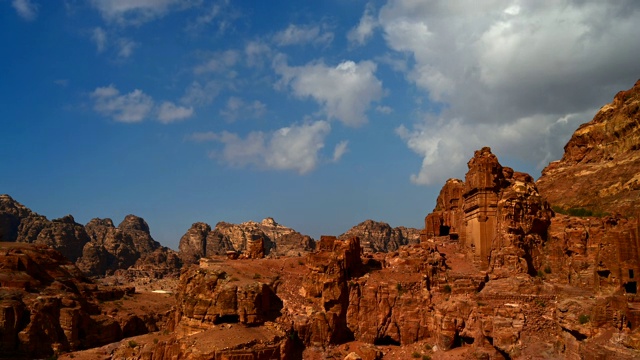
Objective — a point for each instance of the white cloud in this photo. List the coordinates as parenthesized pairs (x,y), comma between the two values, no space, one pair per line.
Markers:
(99,36)
(203,136)
(345,92)
(128,108)
(135,12)
(125,47)
(26,9)
(218,63)
(198,94)
(364,30)
(256,52)
(340,149)
(237,108)
(303,34)
(384,109)
(170,112)
(509,71)
(294,148)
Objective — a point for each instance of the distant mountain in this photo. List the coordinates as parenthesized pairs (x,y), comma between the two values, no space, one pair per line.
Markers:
(376,236)
(277,240)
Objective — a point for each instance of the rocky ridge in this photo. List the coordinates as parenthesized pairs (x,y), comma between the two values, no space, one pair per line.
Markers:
(381,237)
(600,168)
(97,248)
(251,239)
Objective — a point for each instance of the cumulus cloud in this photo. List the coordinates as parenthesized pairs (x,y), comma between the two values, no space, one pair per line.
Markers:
(218,62)
(169,112)
(340,149)
(345,92)
(303,34)
(237,108)
(364,30)
(25,9)
(198,94)
(135,12)
(529,71)
(99,36)
(217,14)
(126,47)
(129,108)
(295,147)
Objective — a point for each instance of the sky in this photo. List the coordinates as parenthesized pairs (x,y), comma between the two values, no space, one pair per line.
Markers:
(320,114)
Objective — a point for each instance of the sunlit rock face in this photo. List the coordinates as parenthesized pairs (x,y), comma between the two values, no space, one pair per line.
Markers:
(496,214)
(600,168)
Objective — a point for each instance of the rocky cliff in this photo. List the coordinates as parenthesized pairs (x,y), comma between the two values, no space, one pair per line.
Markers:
(47,306)
(381,237)
(600,168)
(252,239)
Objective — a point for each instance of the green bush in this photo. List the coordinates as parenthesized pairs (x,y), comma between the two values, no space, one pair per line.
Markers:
(447,289)
(416,355)
(132,344)
(547,269)
(583,319)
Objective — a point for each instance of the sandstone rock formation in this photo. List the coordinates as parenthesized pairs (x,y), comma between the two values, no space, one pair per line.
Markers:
(19,224)
(253,240)
(112,248)
(496,214)
(48,306)
(97,248)
(600,169)
(380,237)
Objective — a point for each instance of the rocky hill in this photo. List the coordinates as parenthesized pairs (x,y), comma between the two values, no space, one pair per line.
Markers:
(251,239)
(381,237)
(600,169)
(98,248)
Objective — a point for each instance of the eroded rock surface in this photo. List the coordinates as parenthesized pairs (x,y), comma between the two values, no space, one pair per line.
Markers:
(600,168)
(128,245)
(47,305)
(250,239)
(378,236)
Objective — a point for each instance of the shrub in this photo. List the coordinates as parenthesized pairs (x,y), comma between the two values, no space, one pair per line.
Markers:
(583,319)
(447,289)
(416,355)
(257,276)
(547,269)
(426,357)
(132,344)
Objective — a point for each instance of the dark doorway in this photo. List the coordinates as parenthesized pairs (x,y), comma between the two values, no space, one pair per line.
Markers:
(631,287)
(444,230)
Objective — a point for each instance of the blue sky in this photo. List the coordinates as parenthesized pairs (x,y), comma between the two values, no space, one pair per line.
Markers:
(320,114)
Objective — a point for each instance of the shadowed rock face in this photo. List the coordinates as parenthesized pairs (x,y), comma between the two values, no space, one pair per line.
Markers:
(47,305)
(19,224)
(251,239)
(600,168)
(130,244)
(378,236)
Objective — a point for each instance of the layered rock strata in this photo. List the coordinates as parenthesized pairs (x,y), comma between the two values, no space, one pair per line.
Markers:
(600,168)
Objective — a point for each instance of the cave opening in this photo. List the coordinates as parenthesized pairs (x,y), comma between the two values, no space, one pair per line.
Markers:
(444,230)
(386,340)
(227,319)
